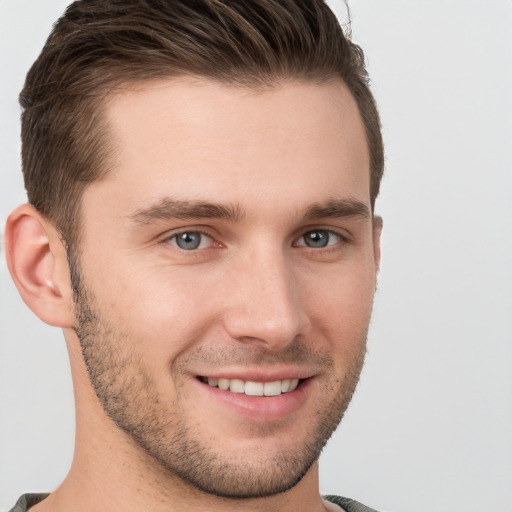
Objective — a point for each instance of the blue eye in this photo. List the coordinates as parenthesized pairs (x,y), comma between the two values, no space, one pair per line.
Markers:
(319,238)
(190,240)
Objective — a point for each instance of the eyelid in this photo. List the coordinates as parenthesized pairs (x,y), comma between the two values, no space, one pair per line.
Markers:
(170,235)
(340,234)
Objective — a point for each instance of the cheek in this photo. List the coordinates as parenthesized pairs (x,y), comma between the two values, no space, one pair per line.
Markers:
(340,306)
(163,313)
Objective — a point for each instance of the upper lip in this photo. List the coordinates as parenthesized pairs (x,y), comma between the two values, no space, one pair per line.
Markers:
(258,374)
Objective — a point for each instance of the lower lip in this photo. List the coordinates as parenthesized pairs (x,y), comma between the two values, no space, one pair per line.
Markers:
(260,408)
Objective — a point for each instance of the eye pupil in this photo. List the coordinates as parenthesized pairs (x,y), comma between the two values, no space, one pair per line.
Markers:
(188,241)
(317,239)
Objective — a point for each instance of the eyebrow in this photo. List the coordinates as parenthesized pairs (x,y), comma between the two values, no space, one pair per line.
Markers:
(338,209)
(168,209)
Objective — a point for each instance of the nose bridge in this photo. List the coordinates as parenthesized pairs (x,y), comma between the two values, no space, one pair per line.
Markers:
(266,305)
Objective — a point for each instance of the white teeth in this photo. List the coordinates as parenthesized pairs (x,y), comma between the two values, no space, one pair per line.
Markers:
(224,384)
(237,386)
(251,388)
(272,388)
(254,388)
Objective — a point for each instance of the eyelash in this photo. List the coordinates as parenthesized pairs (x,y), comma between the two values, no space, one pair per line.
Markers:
(175,236)
(341,239)
(329,232)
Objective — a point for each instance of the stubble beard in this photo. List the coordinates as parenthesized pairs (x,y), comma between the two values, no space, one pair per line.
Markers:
(129,397)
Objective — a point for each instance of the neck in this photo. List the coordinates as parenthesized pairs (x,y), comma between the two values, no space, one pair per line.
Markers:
(110,470)
(98,481)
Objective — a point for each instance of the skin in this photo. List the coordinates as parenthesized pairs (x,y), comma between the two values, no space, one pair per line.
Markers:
(253,301)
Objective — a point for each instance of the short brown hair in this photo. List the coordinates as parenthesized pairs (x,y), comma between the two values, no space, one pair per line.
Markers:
(98,45)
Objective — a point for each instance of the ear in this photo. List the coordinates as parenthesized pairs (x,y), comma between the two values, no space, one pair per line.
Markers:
(37,261)
(377,230)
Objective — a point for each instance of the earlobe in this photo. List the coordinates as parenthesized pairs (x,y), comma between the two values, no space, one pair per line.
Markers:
(37,261)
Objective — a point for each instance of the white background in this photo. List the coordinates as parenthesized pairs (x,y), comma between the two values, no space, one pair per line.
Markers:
(430,428)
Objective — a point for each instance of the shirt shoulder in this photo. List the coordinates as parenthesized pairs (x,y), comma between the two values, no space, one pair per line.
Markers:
(349,505)
(28,500)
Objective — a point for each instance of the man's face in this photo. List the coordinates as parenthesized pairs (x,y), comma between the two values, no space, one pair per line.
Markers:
(231,246)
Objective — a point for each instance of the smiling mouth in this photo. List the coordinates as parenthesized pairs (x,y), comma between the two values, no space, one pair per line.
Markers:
(251,388)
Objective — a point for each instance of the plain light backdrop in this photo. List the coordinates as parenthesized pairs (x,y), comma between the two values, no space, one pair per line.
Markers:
(430,427)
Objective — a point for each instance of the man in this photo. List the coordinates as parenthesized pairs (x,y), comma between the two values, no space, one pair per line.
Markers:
(202,179)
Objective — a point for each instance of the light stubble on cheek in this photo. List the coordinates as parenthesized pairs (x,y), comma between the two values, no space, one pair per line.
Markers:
(173,438)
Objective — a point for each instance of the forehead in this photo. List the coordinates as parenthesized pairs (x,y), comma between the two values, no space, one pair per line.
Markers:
(287,143)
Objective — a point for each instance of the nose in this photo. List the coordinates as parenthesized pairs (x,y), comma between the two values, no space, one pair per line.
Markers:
(265,304)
